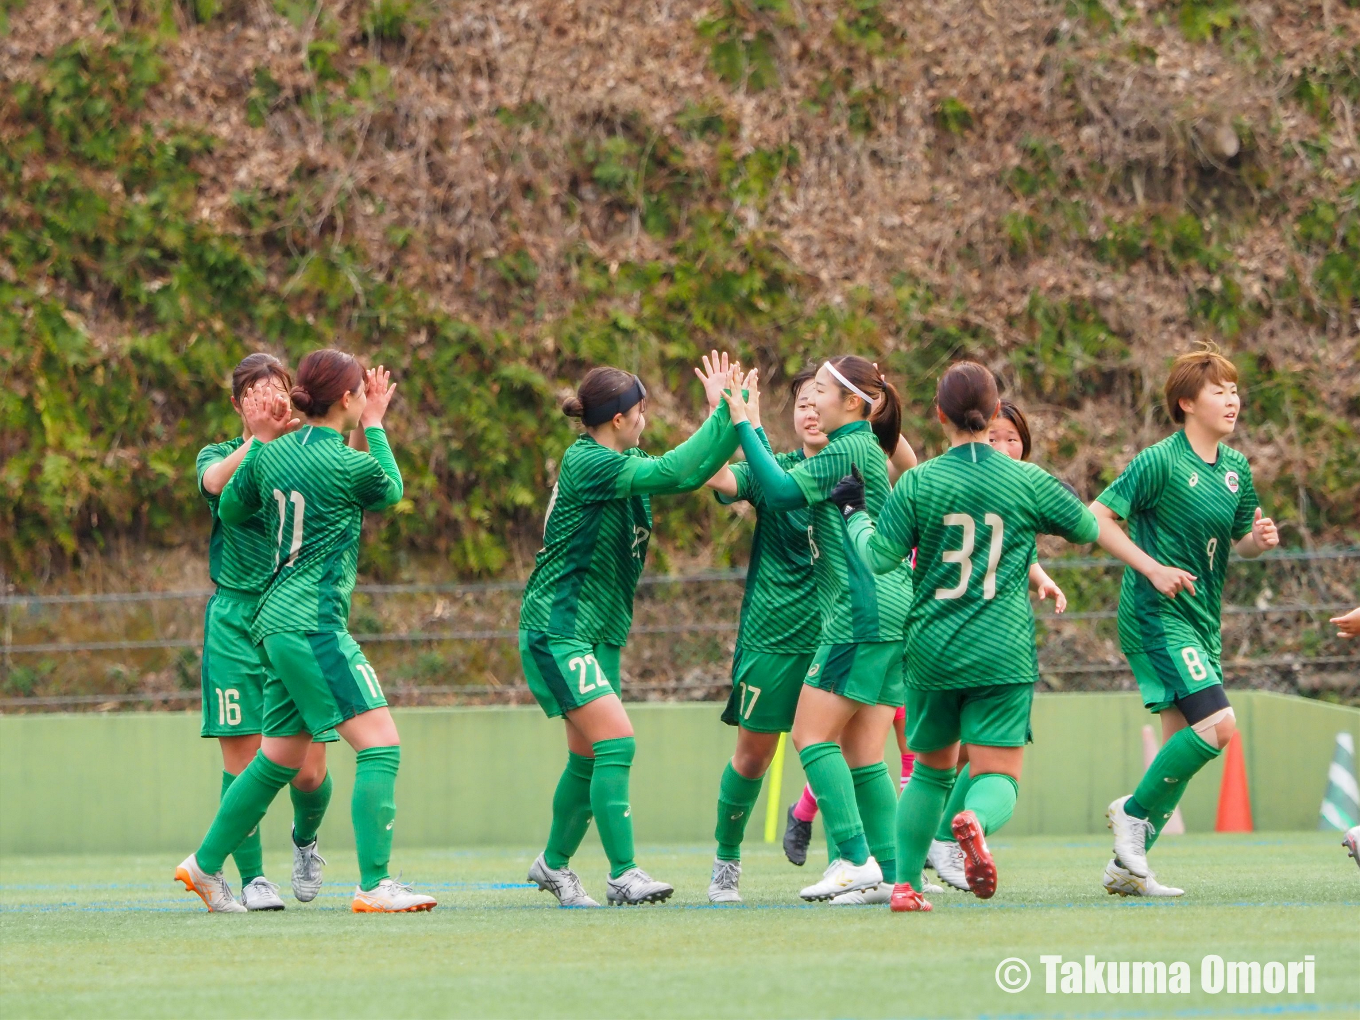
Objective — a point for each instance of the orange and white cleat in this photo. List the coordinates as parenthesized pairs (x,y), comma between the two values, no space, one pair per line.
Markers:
(978,866)
(905,899)
(212,889)
(390,897)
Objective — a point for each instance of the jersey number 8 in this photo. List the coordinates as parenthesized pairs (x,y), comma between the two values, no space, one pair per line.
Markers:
(1193,664)
(963,555)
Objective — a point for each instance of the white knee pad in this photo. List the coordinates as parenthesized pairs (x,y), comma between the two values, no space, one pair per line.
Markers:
(1207,728)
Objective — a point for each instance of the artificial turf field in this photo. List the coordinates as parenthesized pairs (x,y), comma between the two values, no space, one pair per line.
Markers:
(97,936)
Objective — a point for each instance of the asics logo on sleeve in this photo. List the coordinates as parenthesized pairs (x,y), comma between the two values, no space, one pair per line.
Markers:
(1194,479)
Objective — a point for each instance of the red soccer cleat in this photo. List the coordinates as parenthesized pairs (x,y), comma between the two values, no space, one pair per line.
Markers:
(978,866)
(905,898)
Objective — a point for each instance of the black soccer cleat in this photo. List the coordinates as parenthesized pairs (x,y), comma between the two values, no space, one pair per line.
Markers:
(797,836)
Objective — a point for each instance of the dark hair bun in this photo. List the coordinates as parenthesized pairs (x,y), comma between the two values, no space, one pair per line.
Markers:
(301,399)
(572,407)
(973,420)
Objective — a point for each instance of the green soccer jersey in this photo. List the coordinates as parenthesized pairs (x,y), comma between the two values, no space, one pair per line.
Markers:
(598,525)
(855,605)
(1183,513)
(311,491)
(240,556)
(971,515)
(779,610)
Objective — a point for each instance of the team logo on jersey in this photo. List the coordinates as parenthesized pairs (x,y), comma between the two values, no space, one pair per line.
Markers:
(1230,480)
(1194,479)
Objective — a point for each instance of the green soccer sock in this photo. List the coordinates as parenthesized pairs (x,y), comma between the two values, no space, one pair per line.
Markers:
(834,787)
(1162,784)
(249,856)
(242,807)
(309,807)
(736,800)
(571,811)
(609,801)
(918,815)
(945,833)
(991,796)
(876,798)
(373,811)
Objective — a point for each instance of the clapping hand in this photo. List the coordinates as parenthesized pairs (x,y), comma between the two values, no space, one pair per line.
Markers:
(267,412)
(378,391)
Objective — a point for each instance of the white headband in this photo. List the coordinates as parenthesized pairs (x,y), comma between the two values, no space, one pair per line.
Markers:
(849,385)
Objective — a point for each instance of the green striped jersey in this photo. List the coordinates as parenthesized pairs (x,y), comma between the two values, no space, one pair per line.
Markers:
(971,514)
(779,610)
(1183,513)
(855,604)
(598,526)
(240,556)
(311,491)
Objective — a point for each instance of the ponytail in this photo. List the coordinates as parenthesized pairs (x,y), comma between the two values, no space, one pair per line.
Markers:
(967,396)
(861,377)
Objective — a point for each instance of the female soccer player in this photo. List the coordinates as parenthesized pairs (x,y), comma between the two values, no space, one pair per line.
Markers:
(854,684)
(240,561)
(578,606)
(971,515)
(1187,499)
(312,490)
(1009,434)
(775,639)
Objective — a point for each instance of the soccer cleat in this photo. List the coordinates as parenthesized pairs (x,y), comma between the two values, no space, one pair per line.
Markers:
(1352,842)
(878,894)
(635,887)
(843,877)
(212,889)
(307,865)
(1130,837)
(905,899)
(723,888)
(1120,881)
(797,836)
(978,867)
(390,897)
(261,894)
(946,857)
(561,882)
(928,887)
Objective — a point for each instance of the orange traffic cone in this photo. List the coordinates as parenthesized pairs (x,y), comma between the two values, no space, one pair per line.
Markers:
(1234,803)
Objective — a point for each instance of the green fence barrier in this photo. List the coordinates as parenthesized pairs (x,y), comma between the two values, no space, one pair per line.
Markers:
(484,776)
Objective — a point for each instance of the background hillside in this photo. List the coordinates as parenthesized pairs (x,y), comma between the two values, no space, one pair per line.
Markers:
(491,197)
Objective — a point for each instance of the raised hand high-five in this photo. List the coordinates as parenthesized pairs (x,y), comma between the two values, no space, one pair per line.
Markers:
(716,375)
(378,390)
(267,413)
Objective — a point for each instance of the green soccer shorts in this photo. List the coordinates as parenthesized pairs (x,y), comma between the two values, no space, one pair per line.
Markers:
(993,716)
(316,682)
(1165,674)
(765,689)
(564,673)
(233,677)
(869,672)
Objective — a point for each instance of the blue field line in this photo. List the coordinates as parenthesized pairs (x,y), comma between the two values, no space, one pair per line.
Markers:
(1271,1009)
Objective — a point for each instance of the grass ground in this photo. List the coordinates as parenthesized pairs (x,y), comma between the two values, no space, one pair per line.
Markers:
(111,936)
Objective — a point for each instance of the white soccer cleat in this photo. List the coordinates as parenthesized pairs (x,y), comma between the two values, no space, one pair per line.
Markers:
(946,857)
(561,882)
(390,897)
(1130,838)
(723,888)
(212,889)
(929,887)
(261,894)
(1120,881)
(842,877)
(635,887)
(879,894)
(1352,842)
(307,865)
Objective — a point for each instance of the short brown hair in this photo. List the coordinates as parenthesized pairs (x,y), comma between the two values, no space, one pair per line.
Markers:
(323,378)
(1190,373)
(256,368)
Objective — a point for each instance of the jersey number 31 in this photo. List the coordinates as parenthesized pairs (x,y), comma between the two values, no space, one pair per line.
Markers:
(963,555)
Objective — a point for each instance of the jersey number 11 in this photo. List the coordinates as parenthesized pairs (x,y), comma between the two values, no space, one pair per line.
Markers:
(299,508)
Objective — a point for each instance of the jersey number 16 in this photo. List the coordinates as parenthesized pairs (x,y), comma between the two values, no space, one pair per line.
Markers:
(963,555)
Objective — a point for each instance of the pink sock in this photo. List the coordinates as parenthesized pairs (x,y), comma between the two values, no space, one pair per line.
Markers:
(908,763)
(806,808)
